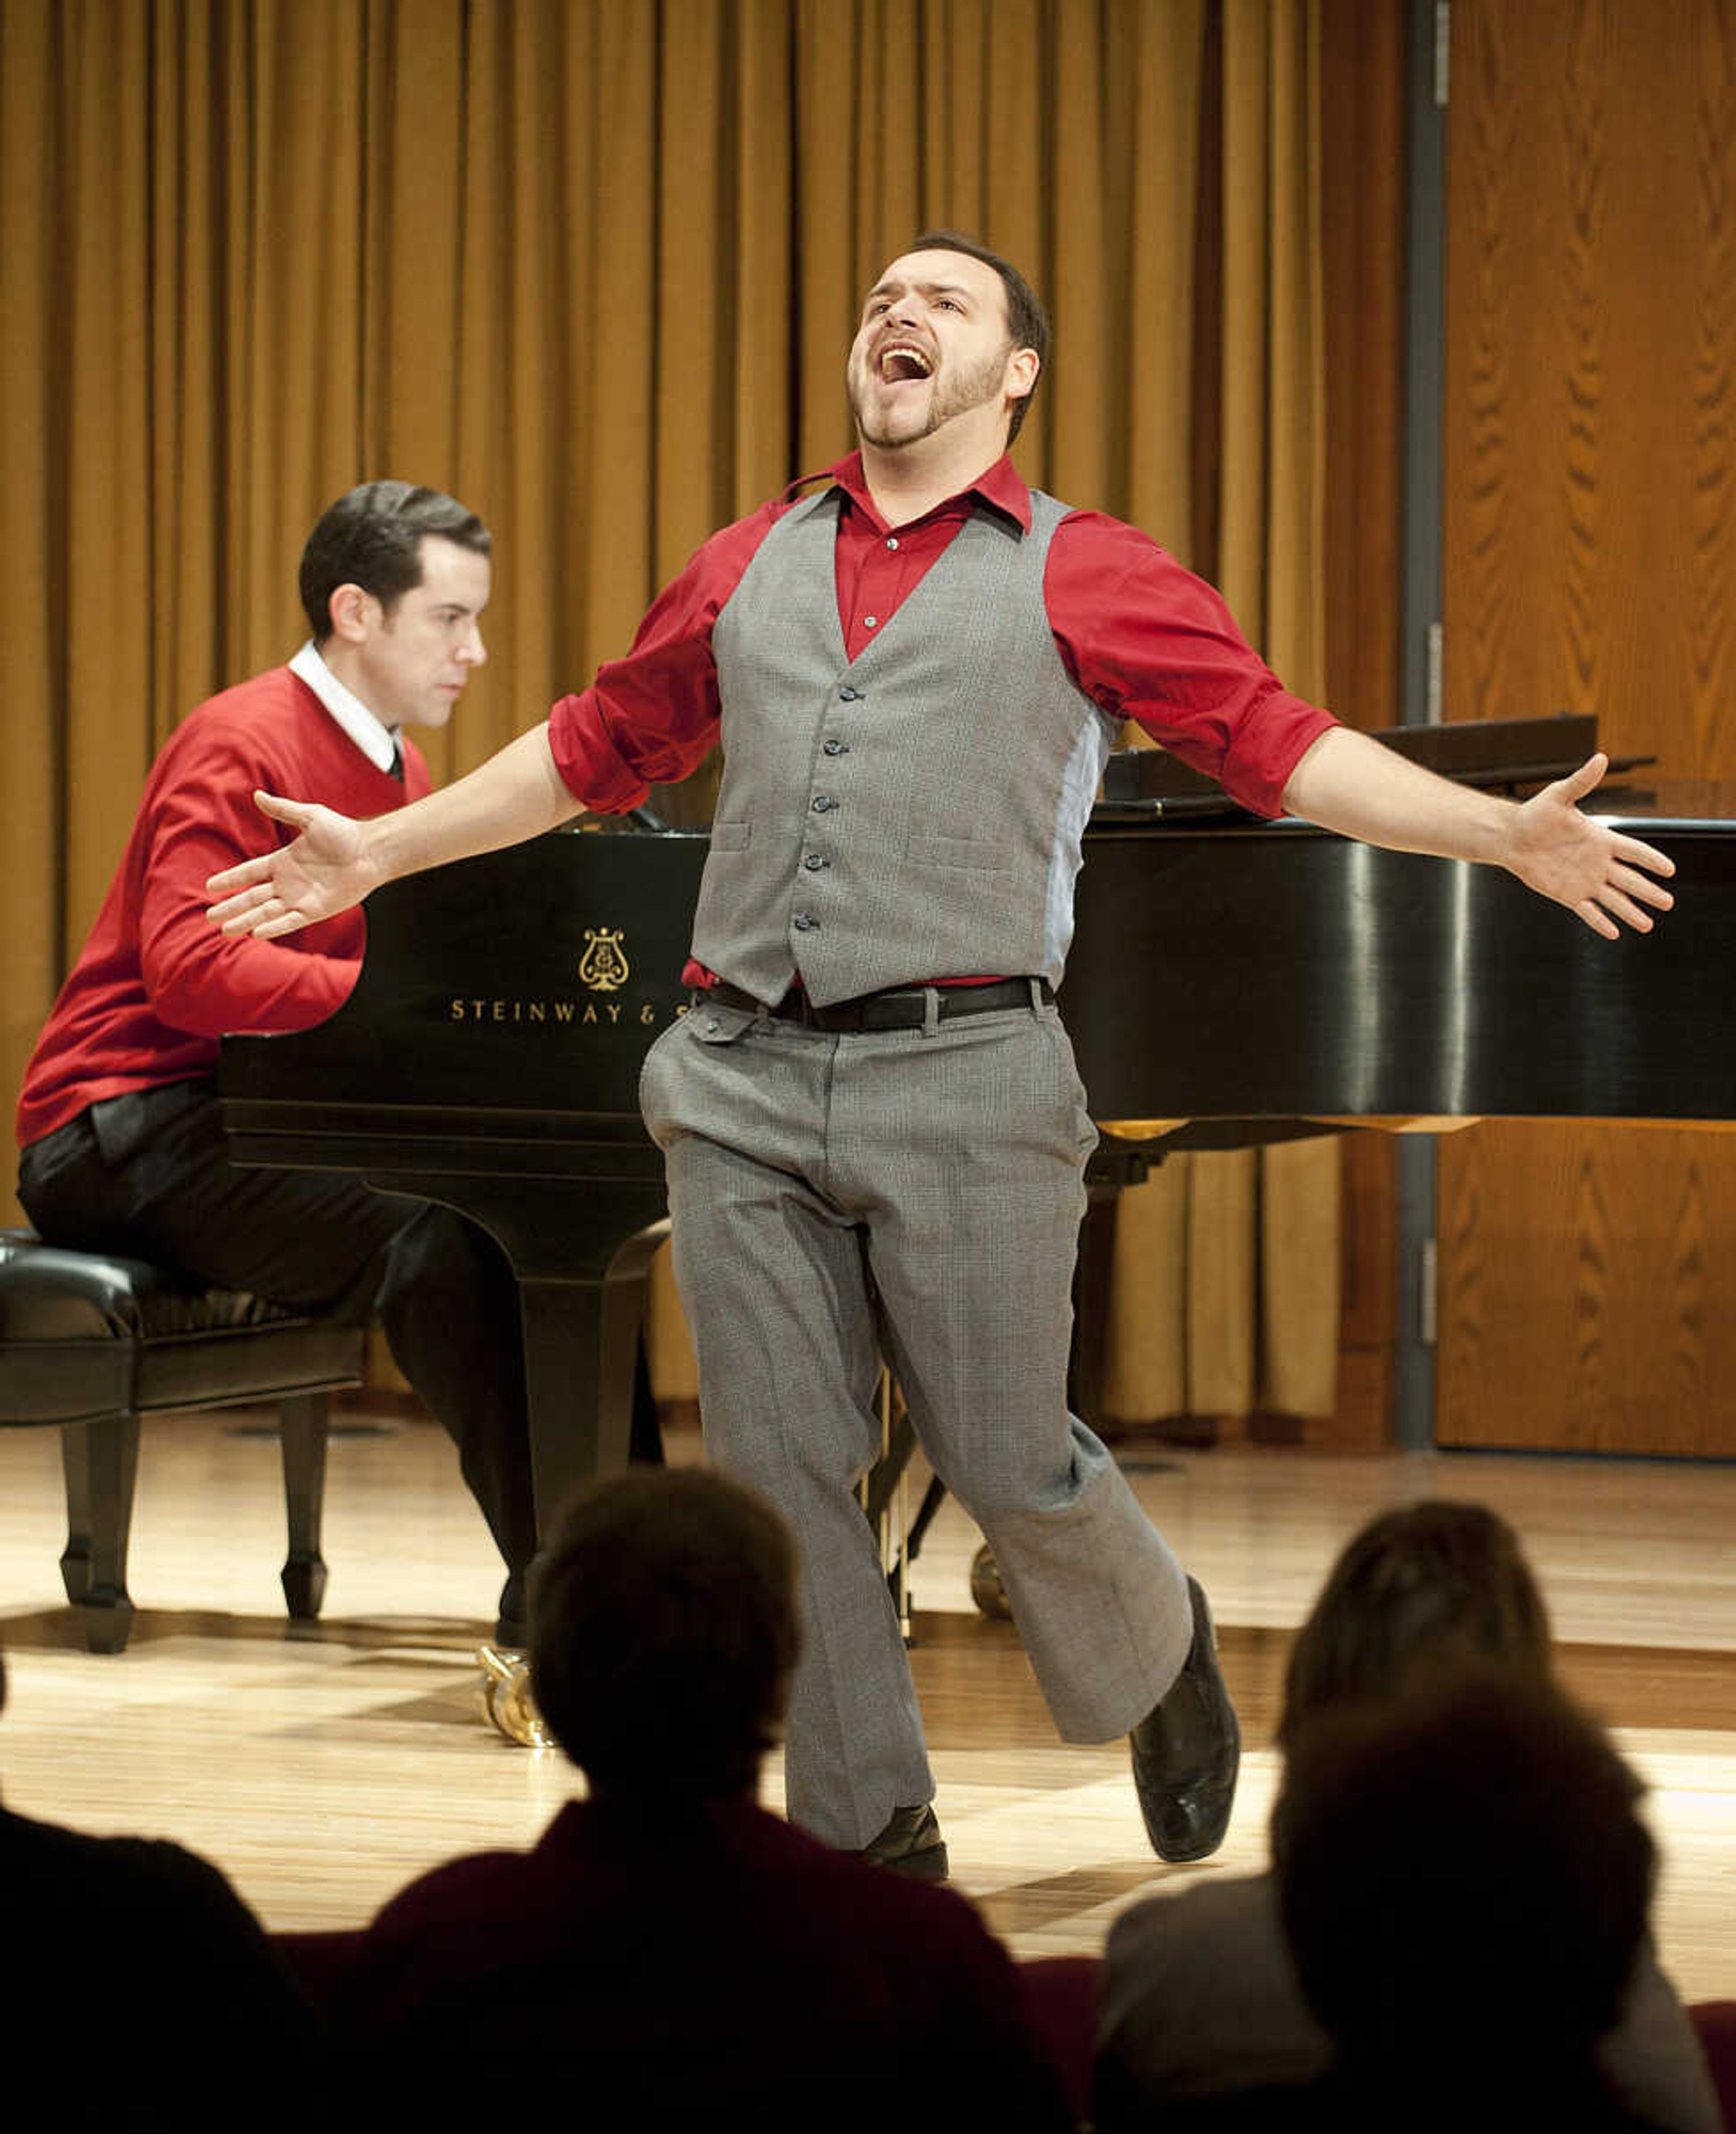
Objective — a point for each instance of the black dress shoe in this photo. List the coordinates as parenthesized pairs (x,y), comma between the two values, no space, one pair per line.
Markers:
(911,1844)
(1187,1750)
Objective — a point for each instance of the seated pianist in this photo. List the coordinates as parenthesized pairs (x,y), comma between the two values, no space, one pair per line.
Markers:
(119,1124)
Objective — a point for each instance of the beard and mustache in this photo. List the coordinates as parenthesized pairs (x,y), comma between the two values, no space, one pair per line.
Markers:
(950,393)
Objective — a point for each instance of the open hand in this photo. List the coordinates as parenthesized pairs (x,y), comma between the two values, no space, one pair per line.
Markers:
(1592,870)
(320,873)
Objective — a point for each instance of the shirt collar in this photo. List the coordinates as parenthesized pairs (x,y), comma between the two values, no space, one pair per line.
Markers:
(376,741)
(1002,489)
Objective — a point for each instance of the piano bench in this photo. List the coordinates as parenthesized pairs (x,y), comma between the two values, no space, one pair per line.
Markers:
(94,1343)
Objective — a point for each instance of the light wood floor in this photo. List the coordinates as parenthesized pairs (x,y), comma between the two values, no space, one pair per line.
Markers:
(322,1768)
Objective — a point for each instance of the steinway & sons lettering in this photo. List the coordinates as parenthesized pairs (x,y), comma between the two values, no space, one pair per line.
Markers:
(604,968)
(576,1011)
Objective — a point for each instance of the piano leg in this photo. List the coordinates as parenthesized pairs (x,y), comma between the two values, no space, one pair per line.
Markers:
(1092,1279)
(580,1250)
(581,1336)
(580,1343)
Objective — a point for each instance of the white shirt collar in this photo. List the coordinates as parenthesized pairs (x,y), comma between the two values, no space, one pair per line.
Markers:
(378,742)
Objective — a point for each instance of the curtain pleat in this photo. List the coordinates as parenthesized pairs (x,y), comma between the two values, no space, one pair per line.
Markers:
(104,450)
(1256,1317)
(592,265)
(32,496)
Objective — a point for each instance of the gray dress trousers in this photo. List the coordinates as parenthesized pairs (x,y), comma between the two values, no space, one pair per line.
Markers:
(915,1193)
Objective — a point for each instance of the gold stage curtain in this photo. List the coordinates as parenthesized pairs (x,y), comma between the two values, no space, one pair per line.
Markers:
(592,265)
(1225,1296)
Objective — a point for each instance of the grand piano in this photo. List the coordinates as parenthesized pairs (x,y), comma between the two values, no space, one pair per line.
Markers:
(1231,982)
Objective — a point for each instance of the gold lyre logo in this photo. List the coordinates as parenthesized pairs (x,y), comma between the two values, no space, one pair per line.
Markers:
(604,966)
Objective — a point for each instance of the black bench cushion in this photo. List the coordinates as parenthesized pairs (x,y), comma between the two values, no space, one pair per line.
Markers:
(48,1294)
(89,1334)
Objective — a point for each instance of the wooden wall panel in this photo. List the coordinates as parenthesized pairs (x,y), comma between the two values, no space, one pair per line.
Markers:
(1585,1276)
(1590,316)
(1591,336)
(1363,1420)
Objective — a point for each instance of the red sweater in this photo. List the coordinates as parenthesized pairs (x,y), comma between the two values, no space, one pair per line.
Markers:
(156,984)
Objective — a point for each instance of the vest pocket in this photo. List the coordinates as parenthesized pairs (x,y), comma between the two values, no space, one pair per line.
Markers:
(732,837)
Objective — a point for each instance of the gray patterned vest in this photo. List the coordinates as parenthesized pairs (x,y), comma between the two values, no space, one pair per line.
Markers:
(909,815)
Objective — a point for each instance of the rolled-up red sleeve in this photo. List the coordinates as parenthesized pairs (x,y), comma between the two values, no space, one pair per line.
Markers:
(651,718)
(1147,641)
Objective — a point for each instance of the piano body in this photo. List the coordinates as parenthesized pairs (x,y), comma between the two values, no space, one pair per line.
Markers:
(1230,983)
(1286,974)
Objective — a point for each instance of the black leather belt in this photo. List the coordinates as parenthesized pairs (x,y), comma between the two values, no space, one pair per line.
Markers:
(901,1007)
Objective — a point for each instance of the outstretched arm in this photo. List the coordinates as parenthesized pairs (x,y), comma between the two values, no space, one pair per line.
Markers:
(336,861)
(1348,783)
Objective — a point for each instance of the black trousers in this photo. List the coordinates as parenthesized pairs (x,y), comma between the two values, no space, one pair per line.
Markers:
(149,1176)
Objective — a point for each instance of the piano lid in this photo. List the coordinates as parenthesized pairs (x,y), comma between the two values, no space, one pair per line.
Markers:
(1510,755)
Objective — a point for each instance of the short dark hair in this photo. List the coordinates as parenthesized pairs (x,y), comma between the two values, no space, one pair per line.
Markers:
(372,537)
(1028,323)
(1466,1868)
(1416,1587)
(663,1633)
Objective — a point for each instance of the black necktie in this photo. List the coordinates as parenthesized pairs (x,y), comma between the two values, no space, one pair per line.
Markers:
(396,765)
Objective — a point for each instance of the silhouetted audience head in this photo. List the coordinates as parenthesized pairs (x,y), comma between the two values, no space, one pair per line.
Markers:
(1464,1879)
(664,1633)
(1417,1589)
(73,1901)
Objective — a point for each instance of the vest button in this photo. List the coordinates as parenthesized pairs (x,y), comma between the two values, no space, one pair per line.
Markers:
(805,922)
(834,748)
(814,862)
(823,803)
(848,696)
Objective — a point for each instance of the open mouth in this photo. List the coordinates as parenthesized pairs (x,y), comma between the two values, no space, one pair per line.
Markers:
(901,363)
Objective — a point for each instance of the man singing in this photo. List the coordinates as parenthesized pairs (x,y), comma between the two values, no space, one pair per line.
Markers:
(874,1132)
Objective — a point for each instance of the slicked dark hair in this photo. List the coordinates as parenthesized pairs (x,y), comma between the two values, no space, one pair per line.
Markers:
(1028,323)
(372,537)
(663,1633)
(1415,1590)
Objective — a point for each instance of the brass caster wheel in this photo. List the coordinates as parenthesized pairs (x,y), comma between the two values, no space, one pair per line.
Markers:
(507,1703)
(986,1588)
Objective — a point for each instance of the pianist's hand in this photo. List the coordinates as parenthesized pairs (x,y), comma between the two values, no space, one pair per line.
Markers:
(1592,870)
(320,873)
